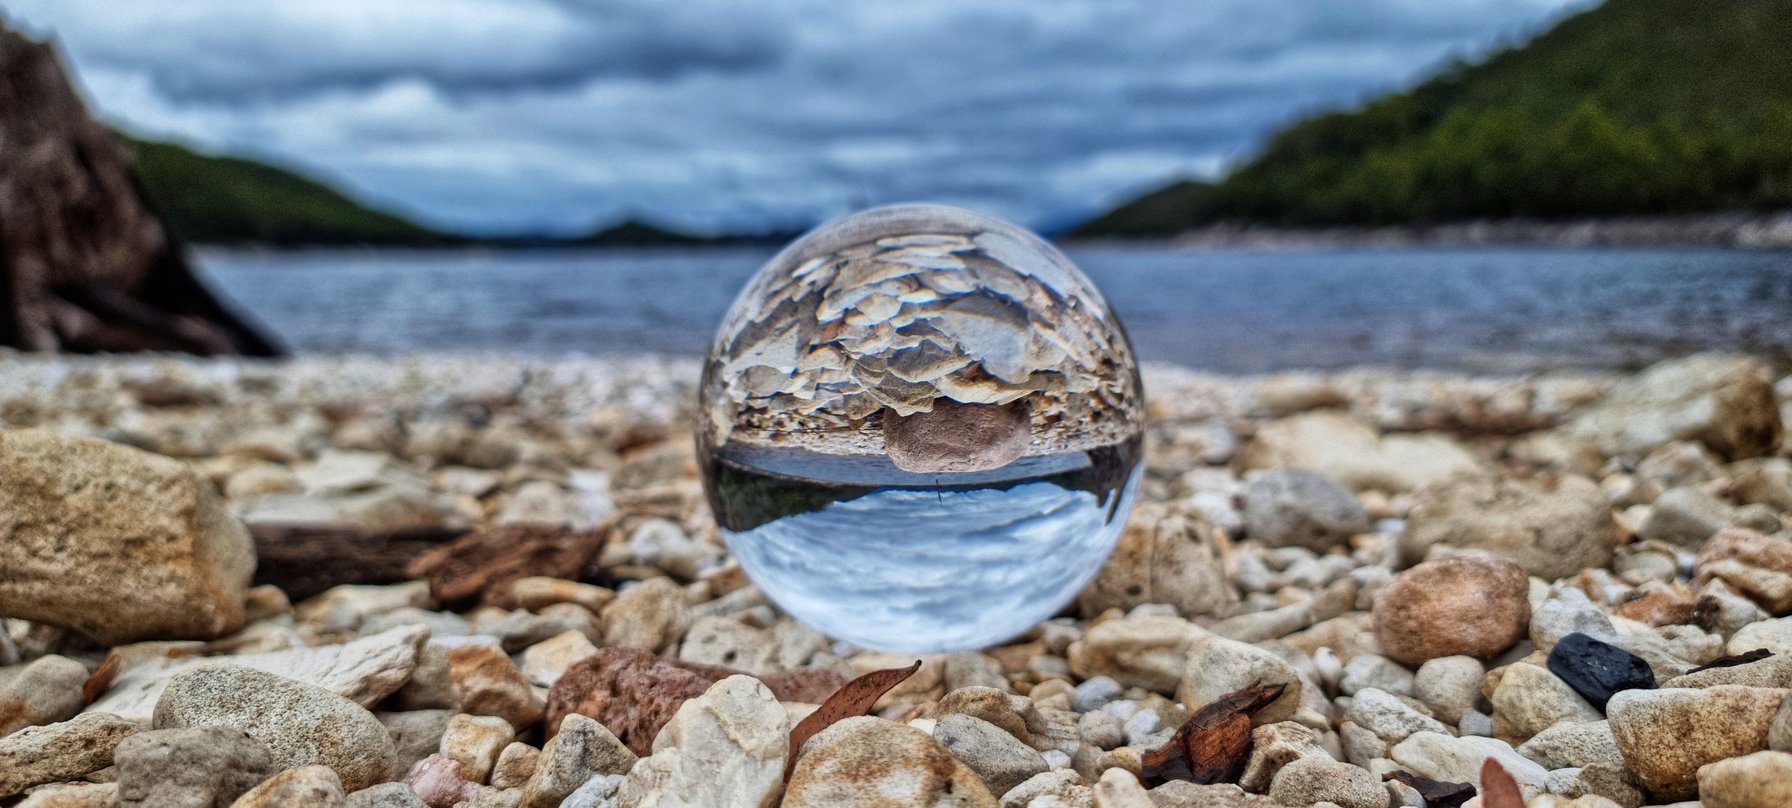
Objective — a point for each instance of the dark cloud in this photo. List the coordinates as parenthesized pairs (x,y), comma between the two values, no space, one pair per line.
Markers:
(506,114)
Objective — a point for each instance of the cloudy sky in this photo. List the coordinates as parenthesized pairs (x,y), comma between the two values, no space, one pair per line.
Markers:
(558,115)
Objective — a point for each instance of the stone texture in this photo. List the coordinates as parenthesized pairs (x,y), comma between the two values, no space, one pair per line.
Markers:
(199,767)
(998,758)
(1119,788)
(1459,760)
(116,543)
(1298,508)
(871,763)
(725,747)
(1690,516)
(1165,555)
(1311,780)
(1574,744)
(386,795)
(299,724)
(475,741)
(1148,652)
(1529,698)
(1666,735)
(1450,686)
(1751,563)
(581,750)
(1061,788)
(46,691)
(1217,666)
(416,734)
(1725,401)
(1758,780)
(545,662)
(651,615)
(303,787)
(1553,527)
(1349,451)
(61,751)
(516,764)
(1475,607)
(488,683)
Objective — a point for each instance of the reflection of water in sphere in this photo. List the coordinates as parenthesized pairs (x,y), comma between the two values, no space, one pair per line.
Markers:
(920,429)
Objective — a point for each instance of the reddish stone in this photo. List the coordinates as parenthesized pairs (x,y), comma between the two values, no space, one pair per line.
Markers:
(1467,606)
(633,692)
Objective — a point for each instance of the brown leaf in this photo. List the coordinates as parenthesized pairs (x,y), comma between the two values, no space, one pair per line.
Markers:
(1214,744)
(1437,793)
(101,679)
(1498,789)
(854,699)
(1733,660)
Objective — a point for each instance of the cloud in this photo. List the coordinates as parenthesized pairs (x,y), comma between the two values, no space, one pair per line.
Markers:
(559,114)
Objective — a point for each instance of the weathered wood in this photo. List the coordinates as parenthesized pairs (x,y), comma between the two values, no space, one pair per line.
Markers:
(306,560)
(86,264)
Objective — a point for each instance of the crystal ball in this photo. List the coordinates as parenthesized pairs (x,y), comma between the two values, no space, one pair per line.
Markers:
(921,429)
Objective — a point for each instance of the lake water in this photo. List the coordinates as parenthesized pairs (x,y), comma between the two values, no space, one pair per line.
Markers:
(1483,309)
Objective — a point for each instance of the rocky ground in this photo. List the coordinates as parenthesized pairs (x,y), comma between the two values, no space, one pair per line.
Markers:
(485,581)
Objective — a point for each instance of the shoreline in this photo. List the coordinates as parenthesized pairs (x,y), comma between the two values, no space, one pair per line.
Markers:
(1733,230)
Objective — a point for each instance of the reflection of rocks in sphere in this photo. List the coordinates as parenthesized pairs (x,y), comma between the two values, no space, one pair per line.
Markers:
(921,428)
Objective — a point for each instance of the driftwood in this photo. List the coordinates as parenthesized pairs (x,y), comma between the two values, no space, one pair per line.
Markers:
(305,560)
(86,264)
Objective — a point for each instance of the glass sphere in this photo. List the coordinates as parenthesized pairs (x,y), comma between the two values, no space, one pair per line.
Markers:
(921,429)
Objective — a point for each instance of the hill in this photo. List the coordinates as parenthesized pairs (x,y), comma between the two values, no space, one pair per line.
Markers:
(230,200)
(1632,107)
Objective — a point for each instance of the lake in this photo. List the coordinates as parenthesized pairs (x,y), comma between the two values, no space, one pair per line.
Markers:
(1477,309)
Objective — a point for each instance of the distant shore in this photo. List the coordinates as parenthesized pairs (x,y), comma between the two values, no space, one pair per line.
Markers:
(1767,231)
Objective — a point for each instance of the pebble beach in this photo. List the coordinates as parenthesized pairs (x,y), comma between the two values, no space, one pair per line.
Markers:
(493,581)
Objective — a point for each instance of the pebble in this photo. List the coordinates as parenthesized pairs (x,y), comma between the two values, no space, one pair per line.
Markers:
(1449,759)
(1775,636)
(1474,607)
(299,724)
(385,795)
(488,683)
(545,662)
(1758,780)
(303,787)
(475,741)
(199,767)
(1574,743)
(1293,507)
(726,746)
(1217,666)
(46,691)
(1450,685)
(1096,692)
(1311,780)
(581,750)
(651,615)
(1666,735)
(1000,760)
(62,751)
(1379,672)
(1164,556)
(1752,564)
(1551,528)
(1529,698)
(1147,652)
(1389,717)
(871,763)
(1054,788)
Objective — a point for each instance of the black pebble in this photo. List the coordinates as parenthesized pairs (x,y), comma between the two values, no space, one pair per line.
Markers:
(1596,670)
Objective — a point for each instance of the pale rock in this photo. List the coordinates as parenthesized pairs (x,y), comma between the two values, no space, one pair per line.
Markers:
(1096,692)
(385,795)
(1767,481)
(73,795)
(582,750)
(63,751)
(1311,780)
(1725,401)
(1773,635)
(731,643)
(725,747)
(440,624)
(1689,516)
(44,692)
(536,593)
(998,758)
(518,629)
(200,767)
(1057,787)
(1390,718)
(348,606)
(1574,744)
(1352,453)
(545,661)
(299,724)
(601,791)
(651,615)
(868,762)
(1530,699)
(1217,666)
(661,543)
(1293,507)
(116,543)
(1119,788)
(416,734)
(1379,672)
(1165,555)
(1552,528)
(1774,671)
(303,787)
(1458,760)
(1184,794)
(475,741)
(1100,730)
(971,669)
(1666,735)
(1336,599)
(1148,652)
(1450,686)
(1274,746)
(1758,780)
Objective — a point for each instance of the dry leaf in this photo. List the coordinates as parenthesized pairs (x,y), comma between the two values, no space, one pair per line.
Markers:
(102,677)
(1214,744)
(1498,789)
(1437,793)
(853,699)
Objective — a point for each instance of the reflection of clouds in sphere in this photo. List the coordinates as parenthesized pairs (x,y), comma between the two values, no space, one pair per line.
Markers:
(920,428)
(921,571)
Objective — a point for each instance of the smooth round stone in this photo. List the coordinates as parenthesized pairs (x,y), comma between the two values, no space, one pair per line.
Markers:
(921,429)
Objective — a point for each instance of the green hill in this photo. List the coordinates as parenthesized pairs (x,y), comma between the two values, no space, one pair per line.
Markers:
(1632,107)
(229,200)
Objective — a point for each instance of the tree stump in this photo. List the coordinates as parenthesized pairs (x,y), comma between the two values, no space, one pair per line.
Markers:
(86,264)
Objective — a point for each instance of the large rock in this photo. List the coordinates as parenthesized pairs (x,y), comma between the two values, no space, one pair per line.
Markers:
(1553,527)
(1350,452)
(1759,780)
(1725,401)
(725,747)
(1298,508)
(199,767)
(1164,556)
(1666,735)
(299,724)
(116,543)
(58,752)
(1475,607)
(868,762)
